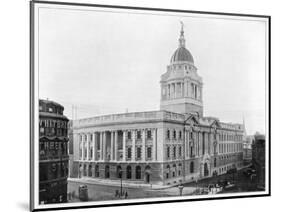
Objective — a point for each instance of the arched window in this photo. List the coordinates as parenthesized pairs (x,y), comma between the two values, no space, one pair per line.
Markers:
(191,167)
(138,172)
(129,172)
(168,171)
(97,171)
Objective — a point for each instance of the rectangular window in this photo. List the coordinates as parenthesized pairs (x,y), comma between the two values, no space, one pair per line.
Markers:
(180,135)
(174,152)
(129,135)
(138,152)
(129,152)
(138,134)
(148,152)
(180,151)
(149,135)
(168,134)
(168,152)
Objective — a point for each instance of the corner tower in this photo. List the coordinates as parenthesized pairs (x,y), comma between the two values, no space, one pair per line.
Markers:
(181,86)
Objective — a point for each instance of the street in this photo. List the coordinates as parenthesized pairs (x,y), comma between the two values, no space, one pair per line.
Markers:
(98,192)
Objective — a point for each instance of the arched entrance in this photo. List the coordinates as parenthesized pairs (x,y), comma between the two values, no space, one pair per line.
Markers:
(106,174)
(147,174)
(206,170)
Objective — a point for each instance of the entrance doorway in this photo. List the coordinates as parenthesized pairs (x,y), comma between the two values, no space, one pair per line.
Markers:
(147,178)
(206,170)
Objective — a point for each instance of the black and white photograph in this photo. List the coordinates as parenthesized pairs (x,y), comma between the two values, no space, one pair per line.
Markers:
(143,105)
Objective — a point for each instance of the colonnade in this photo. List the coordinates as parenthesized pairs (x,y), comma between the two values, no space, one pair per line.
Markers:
(113,145)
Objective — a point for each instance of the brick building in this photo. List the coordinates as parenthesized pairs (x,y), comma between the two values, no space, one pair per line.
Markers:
(53,153)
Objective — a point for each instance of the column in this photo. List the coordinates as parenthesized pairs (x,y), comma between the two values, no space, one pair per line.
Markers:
(111,144)
(186,89)
(143,145)
(187,143)
(116,146)
(154,157)
(101,145)
(104,145)
(94,146)
(82,142)
(133,145)
(175,92)
(124,145)
(88,146)
(169,91)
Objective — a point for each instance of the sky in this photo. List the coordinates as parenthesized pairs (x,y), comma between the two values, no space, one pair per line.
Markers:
(105,62)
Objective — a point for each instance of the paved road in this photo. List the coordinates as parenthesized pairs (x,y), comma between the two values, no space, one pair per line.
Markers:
(98,192)
(243,183)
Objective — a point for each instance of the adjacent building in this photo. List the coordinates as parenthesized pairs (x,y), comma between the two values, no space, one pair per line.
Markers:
(258,155)
(247,148)
(173,145)
(53,153)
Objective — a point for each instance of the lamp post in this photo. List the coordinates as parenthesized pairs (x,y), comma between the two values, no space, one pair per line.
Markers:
(120,175)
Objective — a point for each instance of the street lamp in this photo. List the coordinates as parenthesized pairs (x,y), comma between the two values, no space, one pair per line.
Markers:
(120,175)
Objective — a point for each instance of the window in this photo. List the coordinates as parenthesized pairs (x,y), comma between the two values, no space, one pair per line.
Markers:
(174,151)
(191,168)
(175,134)
(168,134)
(138,152)
(138,134)
(149,136)
(215,162)
(180,135)
(50,109)
(97,171)
(180,151)
(129,172)
(138,172)
(129,152)
(168,152)
(41,129)
(148,152)
(129,135)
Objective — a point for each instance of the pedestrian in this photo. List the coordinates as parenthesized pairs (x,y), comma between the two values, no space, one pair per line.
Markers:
(117,193)
(126,195)
(180,189)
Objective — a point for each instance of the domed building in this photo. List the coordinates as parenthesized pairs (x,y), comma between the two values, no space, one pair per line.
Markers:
(167,147)
(181,86)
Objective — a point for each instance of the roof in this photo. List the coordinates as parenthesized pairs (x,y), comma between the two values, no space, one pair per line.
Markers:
(182,55)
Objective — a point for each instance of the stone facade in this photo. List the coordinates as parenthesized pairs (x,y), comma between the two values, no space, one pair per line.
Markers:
(174,145)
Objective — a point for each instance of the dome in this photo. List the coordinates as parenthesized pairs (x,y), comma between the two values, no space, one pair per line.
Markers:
(182,55)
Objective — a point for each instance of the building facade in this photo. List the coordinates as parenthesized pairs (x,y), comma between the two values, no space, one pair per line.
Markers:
(258,160)
(173,145)
(247,148)
(53,153)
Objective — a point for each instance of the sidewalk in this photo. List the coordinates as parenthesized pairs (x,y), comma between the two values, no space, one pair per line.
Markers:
(125,184)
